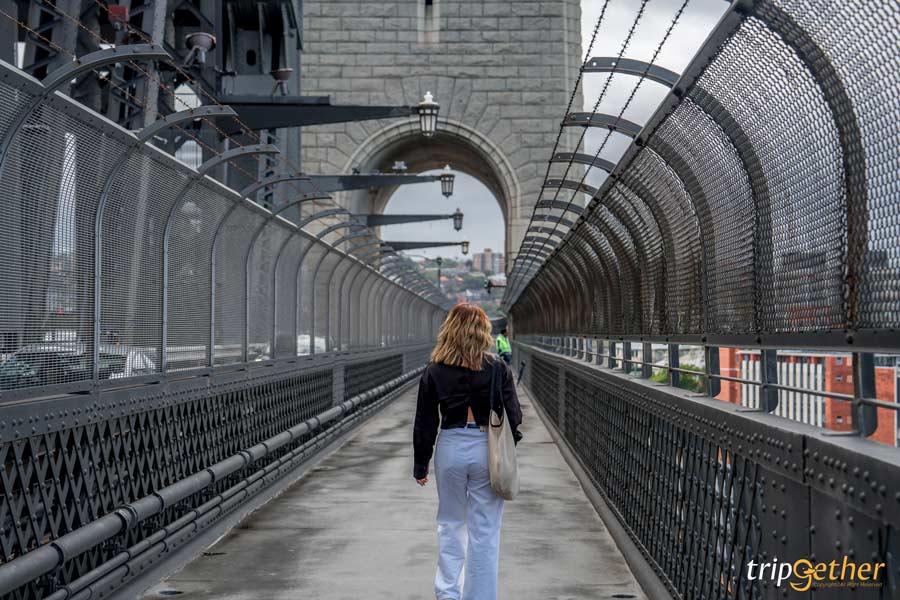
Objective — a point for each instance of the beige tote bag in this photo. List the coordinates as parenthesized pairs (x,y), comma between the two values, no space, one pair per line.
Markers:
(502,461)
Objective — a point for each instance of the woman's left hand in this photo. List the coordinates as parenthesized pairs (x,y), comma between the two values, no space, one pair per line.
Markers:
(422,481)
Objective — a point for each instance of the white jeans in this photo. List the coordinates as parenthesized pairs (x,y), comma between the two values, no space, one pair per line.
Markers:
(469,514)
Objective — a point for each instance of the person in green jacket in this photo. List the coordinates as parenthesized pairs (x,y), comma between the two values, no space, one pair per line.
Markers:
(503,347)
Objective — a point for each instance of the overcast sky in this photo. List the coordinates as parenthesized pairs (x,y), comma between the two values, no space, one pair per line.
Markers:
(483,224)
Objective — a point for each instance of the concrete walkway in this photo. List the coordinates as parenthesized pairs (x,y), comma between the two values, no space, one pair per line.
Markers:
(357,527)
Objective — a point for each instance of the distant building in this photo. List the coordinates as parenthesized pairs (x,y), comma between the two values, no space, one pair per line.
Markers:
(489,261)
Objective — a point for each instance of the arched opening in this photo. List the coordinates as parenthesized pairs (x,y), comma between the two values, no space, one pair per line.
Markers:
(462,276)
(466,150)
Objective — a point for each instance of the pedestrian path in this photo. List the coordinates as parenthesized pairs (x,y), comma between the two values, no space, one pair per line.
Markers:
(357,527)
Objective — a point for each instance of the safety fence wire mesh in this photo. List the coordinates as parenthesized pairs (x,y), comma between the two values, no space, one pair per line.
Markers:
(703,489)
(764,192)
(126,281)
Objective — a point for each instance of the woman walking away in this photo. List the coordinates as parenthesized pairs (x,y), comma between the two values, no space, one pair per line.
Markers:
(454,392)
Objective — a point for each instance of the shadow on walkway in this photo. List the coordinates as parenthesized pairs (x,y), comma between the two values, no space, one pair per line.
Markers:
(358,527)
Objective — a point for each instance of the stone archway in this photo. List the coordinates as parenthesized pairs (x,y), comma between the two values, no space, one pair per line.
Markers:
(462,147)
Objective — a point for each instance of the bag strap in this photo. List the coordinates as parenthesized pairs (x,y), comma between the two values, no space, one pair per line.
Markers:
(495,386)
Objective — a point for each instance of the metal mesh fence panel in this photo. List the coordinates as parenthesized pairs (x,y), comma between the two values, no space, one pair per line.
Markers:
(286,297)
(666,197)
(262,287)
(325,300)
(306,295)
(644,230)
(133,221)
(770,176)
(860,40)
(343,271)
(727,224)
(805,189)
(235,234)
(51,180)
(544,378)
(193,227)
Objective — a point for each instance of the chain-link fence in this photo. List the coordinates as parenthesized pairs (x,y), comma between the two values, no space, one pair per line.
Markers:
(170,350)
(119,262)
(760,199)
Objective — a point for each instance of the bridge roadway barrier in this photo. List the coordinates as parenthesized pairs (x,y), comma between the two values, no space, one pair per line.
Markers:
(703,486)
(201,499)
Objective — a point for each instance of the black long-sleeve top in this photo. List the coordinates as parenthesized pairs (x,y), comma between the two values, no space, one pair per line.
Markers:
(445,394)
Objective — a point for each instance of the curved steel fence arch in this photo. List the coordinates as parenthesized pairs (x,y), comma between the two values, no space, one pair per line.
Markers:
(140,408)
(755,213)
(750,203)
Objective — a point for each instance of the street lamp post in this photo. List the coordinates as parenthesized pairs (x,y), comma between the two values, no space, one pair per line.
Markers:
(439,262)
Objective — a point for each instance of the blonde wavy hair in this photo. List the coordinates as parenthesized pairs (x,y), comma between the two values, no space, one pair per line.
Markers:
(464,338)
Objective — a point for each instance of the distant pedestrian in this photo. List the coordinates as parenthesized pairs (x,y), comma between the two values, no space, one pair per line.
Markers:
(503,347)
(455,393)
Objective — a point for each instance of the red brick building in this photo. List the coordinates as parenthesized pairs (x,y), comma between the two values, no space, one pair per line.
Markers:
(815,371)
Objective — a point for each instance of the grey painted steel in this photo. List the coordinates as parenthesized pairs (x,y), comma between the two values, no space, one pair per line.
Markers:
(64,75)
(569,185)
(350,237)
(583,159)
(44,559)
(770,461)
(341,183)
(631,66)
(271,180)
(203,170)
(139,139)
(417,245)
(379,220)
(338,226)
(611,122)
(275,112)
(89,531)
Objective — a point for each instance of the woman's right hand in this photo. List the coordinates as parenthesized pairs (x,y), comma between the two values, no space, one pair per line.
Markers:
(422,481)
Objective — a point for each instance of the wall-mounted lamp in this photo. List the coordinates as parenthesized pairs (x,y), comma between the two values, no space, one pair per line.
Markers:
(447,178)
(428,112)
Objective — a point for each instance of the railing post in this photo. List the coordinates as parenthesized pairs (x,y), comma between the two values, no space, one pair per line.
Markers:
(674,363)
(711,366)
(626,357)
(769,374)
(611,355)
(598,351)
(561,398)
(647,358)
(865,417)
